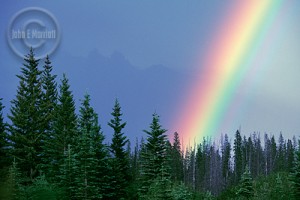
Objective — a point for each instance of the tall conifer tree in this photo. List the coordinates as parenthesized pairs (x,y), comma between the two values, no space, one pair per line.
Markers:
(48,107)
(64,128)
(155,169)
(176,159)
(90,154)
(4,160)
(26,117)
(295,176)
(226,150)
(246,189)
(120,157)
(238,156)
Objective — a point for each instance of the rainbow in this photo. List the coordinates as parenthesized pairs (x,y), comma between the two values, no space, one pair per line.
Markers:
(228,60)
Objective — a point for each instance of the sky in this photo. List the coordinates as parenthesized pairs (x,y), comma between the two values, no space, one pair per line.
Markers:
(152,55)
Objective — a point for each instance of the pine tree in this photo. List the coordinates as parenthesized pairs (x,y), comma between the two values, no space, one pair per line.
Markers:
(176,160)
(154,169)
(64,129)
(290,155)
(278,192)
(101,153)
(90,163)
(50,94)
(67,173)
(295,176)
(14,185)
(26,117)
(257,157)
(280,156)
(4,160)
(120,157)
(226,149)
(48,107)
(200,167)
(273,152)
(238,156)
(246,189)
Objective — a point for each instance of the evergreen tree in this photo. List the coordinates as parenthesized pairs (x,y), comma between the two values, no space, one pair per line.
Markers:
(246,188)
(49,96)
(280,156)
(4,160)
(226,149)
(154,169)
(120,157)
(273,152)
(258,158)
(26,117)
(289,155)
(14,188)
(66,176)
(200,167)
(278,192)
(295,176)
(176,160)
(238,156)
(90,154)
(64,130)
(48,107)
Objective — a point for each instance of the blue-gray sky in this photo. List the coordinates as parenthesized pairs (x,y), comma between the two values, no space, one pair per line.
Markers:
(143,52)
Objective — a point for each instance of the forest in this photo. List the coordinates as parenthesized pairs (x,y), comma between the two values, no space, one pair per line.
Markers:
(49,151)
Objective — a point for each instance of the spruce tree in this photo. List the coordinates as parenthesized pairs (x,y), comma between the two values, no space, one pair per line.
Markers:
(280,156)
(49,96)
(154,169)
(176,160)
(246,188)
(64,129)
(238,156)
(14,188)
(66,176)
(295,176)
(226,150)
(48,107)
(90,154)
(120,157)
(4,160)
(26,117)
(289,155)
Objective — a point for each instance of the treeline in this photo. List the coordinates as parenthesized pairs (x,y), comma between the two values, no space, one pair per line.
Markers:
(47,151)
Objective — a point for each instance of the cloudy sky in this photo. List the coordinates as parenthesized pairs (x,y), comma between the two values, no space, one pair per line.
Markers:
(146,52)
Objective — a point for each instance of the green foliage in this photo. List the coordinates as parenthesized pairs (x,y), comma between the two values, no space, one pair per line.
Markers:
(181,192)
(246,188)
(226,150)
(49,96)
(90,139)
(12,188)
(238,159)
(26,118)
(160,188)
(295,176)
(48,108)
(67,174)
(4,145)
(41,189)
(176,163)
(275,186)
(64,131)
(120,177)
(154,161)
